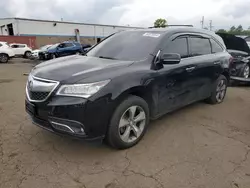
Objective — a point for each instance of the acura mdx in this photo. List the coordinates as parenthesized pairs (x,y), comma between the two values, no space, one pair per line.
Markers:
(128,79)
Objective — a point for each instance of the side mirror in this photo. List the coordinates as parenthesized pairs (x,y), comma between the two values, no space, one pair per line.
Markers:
(170,58)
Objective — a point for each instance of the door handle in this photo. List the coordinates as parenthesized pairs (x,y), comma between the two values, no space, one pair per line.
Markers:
(190,69)
(216,62)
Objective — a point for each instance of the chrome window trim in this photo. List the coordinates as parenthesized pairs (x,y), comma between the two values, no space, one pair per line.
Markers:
(45,80)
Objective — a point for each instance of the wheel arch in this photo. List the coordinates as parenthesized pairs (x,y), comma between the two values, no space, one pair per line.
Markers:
(4,53)
(227,75)
(139,91)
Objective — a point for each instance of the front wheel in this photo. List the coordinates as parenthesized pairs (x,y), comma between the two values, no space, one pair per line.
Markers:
(129,123)
(4,58)
(219,90)
(246,71)
(53,56)
(27,54)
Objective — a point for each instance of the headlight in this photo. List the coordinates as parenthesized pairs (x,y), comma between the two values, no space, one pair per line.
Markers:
(81,90)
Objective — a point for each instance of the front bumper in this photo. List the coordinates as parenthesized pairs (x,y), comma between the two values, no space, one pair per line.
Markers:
(43,56)
(71,116)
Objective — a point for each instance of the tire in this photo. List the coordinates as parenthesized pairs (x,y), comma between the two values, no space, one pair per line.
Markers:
(4,58)
(219,91)
(27,54)
(120,124)
(53,56)
(246,71)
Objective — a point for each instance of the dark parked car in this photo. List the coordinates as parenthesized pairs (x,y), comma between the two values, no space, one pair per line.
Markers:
(44,55)
(64,49)
(126,80)
(239,49)
(86,48)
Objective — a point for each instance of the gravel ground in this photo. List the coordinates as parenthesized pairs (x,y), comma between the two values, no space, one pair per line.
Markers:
(200,146)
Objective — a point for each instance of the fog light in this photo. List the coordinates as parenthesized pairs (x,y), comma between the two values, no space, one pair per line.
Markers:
(68,126)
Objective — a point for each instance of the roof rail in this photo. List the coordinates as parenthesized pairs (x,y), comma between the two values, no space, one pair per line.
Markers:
(175,26)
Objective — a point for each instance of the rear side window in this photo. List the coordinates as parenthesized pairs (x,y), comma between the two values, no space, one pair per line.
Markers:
(216,48)
(199,46)
(178,46)
(68,45)
(21,46)
(77,44)
(1,45)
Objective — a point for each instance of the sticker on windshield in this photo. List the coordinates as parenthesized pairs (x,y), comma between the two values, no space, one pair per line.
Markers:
(155,35)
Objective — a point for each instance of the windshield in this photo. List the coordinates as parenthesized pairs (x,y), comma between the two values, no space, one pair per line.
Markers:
(45,47)
(54,46)
(127,45)
(7,44)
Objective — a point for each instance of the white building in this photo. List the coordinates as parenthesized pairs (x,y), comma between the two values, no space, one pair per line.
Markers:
(47,31)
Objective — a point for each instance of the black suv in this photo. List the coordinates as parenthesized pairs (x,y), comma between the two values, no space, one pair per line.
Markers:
(129,78)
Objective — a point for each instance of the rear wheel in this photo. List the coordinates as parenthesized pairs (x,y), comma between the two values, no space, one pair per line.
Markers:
(129,123)
(219,91)
(4,58)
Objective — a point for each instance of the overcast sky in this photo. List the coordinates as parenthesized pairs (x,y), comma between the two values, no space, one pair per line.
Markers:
(224,13)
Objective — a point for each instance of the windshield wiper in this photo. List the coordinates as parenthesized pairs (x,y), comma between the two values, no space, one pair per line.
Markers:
(103,57)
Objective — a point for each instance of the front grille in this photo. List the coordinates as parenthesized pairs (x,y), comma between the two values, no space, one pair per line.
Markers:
(39,89)
(38,96)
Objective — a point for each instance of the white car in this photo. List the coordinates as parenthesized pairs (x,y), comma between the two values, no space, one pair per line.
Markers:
(6,52)
(35,53)
(21,50)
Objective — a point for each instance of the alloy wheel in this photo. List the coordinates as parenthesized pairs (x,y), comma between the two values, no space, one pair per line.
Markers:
(3,58)
(246,71)
(221,90)
(132,124)
(28,54)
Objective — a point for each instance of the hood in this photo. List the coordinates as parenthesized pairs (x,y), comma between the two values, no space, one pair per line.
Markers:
(71,69)
(234,43)
(35,51)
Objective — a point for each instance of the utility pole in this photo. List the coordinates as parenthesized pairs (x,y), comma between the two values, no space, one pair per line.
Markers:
(202,22)
(210,25)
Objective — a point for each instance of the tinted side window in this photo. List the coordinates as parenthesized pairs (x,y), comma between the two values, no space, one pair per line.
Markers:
(68,45)
(77,44)
(199,46)
(21,46)
(216,48)
(14,46)
(178,46)
(1,45)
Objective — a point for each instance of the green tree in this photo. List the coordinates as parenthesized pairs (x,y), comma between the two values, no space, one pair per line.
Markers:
(232,28)
(160,23)
(221,31)
(239,29)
